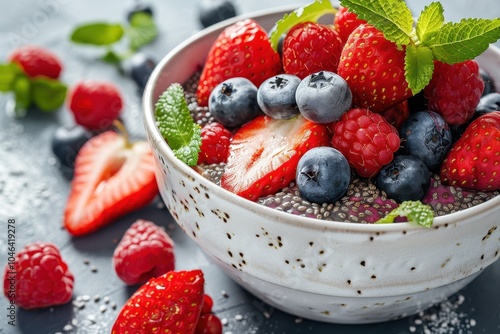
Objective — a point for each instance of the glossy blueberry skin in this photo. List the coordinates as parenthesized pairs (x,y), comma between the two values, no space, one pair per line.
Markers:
(426,136)
(323,97)
(213,11)
(276,96)
(66,142)
(323,175)
(406,178)
(139,67)
(489,84)
(488,103)
(233,102)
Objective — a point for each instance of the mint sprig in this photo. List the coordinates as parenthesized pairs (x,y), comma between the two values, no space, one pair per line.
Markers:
(414,211)
(176,125)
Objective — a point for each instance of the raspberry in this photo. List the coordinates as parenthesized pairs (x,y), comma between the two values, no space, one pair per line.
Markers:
(37,61)
(215,140)
(366,139)
(208,323)
(145,251)
(455,90)
(41,277)
(95,104)
(398,114)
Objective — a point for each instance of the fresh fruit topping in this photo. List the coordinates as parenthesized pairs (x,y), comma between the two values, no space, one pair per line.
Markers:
(213,11)
(95,104)
(427,136)
(67,141)
(215,139)
(414,211)
(138,67)
(39,277)
(241,50)
(264,153)
(488,103)
(323,97)
(455,90)
(208,324)
(323,175)
(473,162)
(37,61)
(208,303)
(366,139)
(345,22)
(405,178)
(233,102)
(112,177)
(311,47)
(170,303)
(276,96)
(489,83)
(176,125)
(144,252)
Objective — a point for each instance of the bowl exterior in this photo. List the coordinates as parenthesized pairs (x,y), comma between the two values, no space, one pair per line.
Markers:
(326,271)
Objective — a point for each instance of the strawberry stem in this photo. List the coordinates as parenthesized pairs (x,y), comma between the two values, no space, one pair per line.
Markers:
(123,131)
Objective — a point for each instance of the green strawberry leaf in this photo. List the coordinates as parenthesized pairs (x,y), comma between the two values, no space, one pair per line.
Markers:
(429,22)
(8,73)
(392,17)
(99,33)
(414,211)
(48,94)
(419,66)
(176,125)
(311,12)
(112,57)
(457,42)
(142,30)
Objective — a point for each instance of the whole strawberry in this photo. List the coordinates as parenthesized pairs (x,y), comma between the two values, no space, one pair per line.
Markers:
(215,139)
(473,162)
(241,50)
(345,22)
(144,252)
(38,278)
(37,61)
(366,139)
(455,91)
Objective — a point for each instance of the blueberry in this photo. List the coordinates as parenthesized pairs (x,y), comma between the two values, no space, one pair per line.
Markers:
(406,178)
(66,143)
(488,103)
(427,136)
(489,84)
(234,102)
(323,175)
(139,7)
(276,96)
(139,67)
(323,97)
(214,11)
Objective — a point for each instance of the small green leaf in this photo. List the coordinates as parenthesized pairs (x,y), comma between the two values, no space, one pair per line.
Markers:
(431,19)
(99,33)
(419,65)
(8,72)
(457,42)
(176,125)
(112,57)
(142,30)
(21,86)
(392,17)
(311,12)
(48,94)
(414,211)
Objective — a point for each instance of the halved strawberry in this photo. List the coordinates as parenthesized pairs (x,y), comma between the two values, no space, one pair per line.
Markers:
(112,177)
(241,50)
(264,153)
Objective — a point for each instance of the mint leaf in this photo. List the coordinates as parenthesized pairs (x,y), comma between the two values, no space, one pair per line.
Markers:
(415,211)
(392,17)
(112,57)
(8,72)
(48,94)
(429,22)
(176,125)
(457,42)
(21,86)
(99,33)
(311,12)
(419,65)
(142,30)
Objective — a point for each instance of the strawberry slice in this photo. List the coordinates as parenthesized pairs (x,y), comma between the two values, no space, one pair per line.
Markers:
(112,177)
(264,153)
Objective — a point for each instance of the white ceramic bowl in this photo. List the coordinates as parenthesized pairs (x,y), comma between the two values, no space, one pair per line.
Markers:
(327,271)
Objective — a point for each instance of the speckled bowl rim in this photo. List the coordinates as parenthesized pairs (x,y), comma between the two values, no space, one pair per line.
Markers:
(148,102)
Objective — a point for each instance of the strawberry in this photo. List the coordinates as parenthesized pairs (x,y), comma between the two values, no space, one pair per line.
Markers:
(112,177)
(264,153)
(208,324)
(215,140)
(170,303)
(241,50)
(311,47)
(473,162)
(455,90)
(374,68)
(37,61)
(345,22)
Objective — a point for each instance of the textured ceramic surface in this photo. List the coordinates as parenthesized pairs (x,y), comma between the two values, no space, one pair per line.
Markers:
(327,271)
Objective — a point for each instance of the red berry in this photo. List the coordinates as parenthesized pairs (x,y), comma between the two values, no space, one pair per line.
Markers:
(95,104)
(366,139)
(38,278)
(398,114)
(208,324)
(145,251)
(345,22)
(37,61)
(208,302)
(215,139)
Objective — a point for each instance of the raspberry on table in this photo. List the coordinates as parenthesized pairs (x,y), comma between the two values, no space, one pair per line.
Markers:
(145,251)
(42,277)
(215,140)
(37,61)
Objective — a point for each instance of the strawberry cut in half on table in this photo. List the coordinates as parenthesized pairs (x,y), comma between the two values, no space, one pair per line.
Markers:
(112,177)
(264,153)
